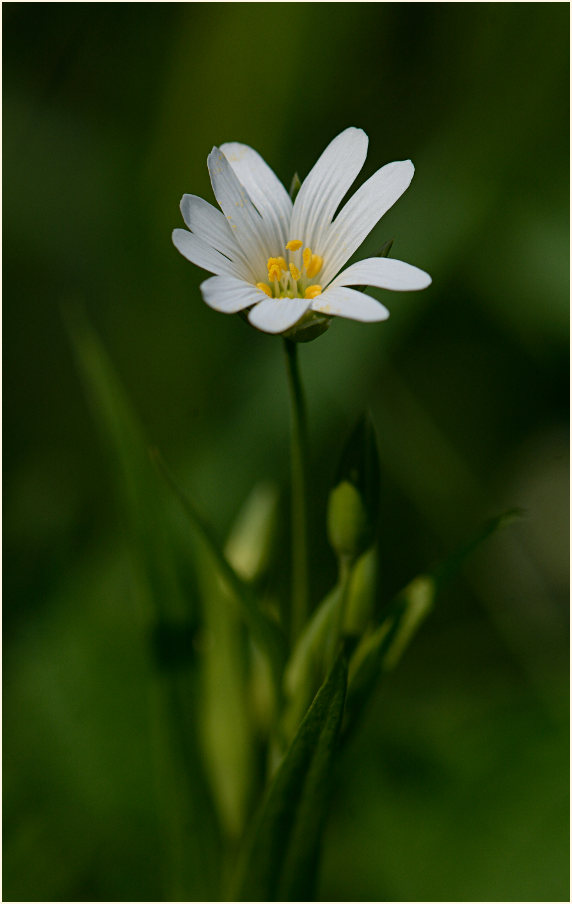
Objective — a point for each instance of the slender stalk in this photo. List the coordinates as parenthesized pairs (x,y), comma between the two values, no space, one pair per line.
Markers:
(344,576)
(299,459)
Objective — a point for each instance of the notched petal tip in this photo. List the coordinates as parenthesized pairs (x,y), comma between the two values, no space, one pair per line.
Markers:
(357,130)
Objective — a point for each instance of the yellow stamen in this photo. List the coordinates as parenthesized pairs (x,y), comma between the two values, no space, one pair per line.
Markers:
(295,272)
(274,272)
(313,291)
(277,262)
(315,266)
(264,288)
(294,245)
(307,257)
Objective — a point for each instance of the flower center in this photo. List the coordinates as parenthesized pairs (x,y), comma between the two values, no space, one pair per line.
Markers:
(292,278)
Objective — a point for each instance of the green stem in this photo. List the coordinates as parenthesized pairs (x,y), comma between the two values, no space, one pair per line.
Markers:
(299,459)
(344,577)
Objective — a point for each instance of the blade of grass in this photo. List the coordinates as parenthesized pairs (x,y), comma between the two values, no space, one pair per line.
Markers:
(192,850)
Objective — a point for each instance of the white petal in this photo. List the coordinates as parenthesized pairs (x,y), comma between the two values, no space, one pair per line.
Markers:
(198,252)
(384,273)
(349,303)
(265,189)
(325,186)
(246,223)
(275,315)
(356,220)
(210,225)
(229,295)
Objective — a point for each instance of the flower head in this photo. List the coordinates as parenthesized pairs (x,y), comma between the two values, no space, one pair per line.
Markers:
(281,260)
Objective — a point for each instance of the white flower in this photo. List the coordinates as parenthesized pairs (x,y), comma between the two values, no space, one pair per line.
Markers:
(280,259)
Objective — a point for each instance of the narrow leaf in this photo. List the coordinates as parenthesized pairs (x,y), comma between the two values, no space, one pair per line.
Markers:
(264,631)
(380,649)
(185,808)
(280,858)
(449,568)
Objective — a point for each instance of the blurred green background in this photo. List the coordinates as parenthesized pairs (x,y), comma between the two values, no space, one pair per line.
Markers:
(456,786)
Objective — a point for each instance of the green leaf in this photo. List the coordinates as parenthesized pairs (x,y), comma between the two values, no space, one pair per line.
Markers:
(264,631)
(188,822)
(381,648)
(137,486)
(279,862)
(227,704)
(306,666)
(449,568)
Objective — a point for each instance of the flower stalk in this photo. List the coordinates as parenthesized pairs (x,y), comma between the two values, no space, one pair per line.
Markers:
(299,485)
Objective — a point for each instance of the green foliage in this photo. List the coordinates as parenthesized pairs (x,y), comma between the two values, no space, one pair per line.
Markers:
(265,631)
(190,830)
(281,856)
(106,110)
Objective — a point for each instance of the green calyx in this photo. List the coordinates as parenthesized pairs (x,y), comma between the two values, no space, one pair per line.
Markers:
(309,327)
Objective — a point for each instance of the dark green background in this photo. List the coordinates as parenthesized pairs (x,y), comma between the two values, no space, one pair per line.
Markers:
(456,787)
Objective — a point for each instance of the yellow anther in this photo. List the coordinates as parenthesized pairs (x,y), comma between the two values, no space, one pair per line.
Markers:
(277,262)
(264,288)
(295,272)
(315,266)
(307,257)
(294,245)
(274,272)
(313,291)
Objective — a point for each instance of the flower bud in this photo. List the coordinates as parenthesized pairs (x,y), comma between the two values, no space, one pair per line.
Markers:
(352,508)
(249,545)
(361,593)
(347,521)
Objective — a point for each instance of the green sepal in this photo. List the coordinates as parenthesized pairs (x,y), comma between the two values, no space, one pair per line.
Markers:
(309,327)
(295,187)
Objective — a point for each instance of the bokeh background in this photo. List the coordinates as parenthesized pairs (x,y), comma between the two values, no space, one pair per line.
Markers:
(456,785)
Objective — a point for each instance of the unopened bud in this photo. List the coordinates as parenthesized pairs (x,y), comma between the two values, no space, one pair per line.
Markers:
(360,603)
(352,511)
(249,545)
(348,526)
